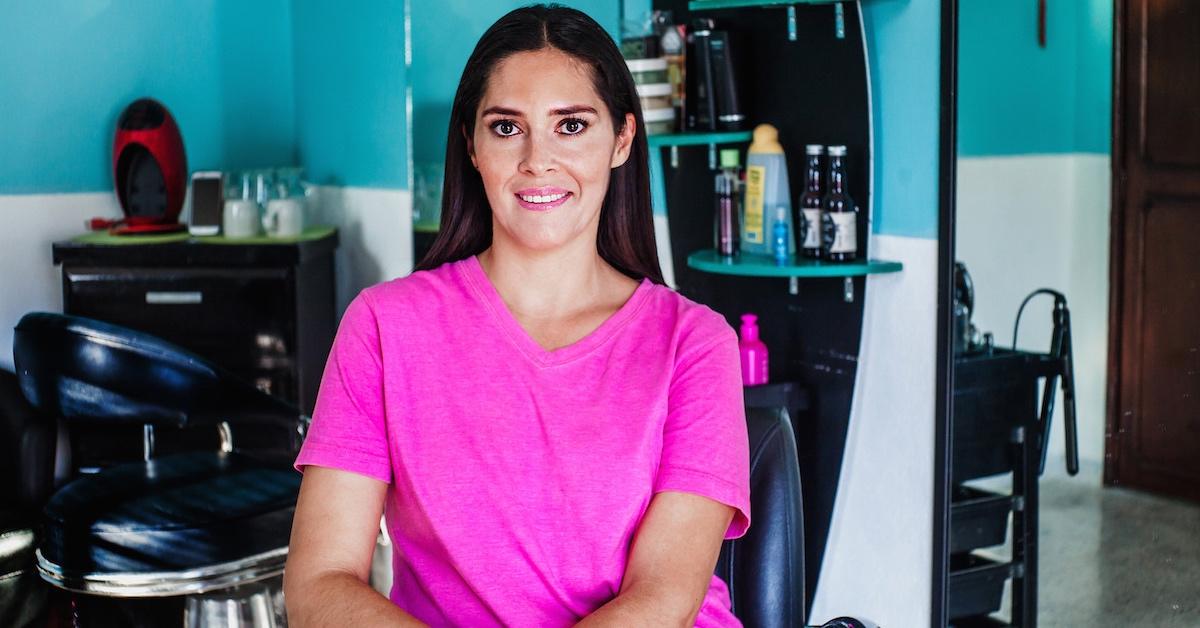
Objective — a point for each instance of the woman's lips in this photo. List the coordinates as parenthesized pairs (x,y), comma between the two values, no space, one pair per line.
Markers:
(554,197)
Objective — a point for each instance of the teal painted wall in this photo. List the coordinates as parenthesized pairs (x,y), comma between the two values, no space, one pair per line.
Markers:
(903,41)
(1093,125)
(223,69)
(1016,97)
(350,95)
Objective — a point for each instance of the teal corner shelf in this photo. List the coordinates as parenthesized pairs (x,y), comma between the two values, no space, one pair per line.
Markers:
(712,5)
(697,138)
(756,265)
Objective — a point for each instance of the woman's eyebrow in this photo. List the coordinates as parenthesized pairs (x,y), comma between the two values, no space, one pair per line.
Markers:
(573,109)
(563,111)
(501,111)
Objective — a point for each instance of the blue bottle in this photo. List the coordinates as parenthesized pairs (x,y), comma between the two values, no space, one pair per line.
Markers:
(781,235)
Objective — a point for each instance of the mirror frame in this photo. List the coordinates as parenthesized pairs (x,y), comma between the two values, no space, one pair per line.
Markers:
(944,378)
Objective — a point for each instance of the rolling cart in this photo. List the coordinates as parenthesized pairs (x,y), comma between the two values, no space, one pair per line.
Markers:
(999,428)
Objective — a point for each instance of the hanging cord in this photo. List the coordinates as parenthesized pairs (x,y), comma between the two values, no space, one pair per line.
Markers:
(1058,296)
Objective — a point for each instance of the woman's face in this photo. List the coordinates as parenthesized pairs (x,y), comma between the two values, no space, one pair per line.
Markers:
(545,145)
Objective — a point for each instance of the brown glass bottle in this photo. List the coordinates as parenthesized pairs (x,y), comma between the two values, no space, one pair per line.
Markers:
(809,220)
(839,223)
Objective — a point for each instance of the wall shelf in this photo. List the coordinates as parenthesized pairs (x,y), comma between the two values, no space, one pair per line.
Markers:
(716,5)
(757,265)
(711,5)
(697,138)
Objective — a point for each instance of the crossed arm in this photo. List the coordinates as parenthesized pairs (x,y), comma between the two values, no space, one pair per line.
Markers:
(670,565)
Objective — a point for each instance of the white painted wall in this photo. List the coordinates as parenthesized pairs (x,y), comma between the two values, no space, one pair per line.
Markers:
(876,564)
(29,280)
(375,230)
(1032,221)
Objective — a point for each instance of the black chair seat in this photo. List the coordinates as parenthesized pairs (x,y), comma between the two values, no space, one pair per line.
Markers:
(174,513)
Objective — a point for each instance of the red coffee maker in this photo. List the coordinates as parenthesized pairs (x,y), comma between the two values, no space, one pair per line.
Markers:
(149,170)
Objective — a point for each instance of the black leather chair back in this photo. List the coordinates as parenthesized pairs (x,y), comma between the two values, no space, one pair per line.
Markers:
(765,568)
(27,445)
(84,369)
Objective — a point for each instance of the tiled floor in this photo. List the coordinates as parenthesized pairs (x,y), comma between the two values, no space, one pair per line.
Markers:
(1117,557)
(1114,558)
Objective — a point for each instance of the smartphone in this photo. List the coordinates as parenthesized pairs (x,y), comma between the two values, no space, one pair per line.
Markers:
(208,202)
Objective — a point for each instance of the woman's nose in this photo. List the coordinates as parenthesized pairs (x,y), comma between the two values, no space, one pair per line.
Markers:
(539,155)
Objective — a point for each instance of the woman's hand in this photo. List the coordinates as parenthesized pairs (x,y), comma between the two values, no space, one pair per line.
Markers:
(670,564)
(329,558)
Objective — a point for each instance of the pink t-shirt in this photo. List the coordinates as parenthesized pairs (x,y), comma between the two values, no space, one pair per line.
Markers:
(518,476)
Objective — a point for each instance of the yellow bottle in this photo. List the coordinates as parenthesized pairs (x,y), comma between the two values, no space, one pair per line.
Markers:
(766,190)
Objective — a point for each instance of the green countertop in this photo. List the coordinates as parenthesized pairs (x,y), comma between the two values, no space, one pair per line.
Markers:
(104,238)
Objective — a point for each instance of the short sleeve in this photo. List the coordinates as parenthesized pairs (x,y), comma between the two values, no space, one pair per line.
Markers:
(349,427)
(706,450)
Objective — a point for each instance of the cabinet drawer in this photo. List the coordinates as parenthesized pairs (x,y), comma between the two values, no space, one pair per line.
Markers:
(240,318)
(203,300)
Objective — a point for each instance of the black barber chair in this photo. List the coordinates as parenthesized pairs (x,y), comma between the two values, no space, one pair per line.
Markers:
(27,444)
(764,569)
(195,536)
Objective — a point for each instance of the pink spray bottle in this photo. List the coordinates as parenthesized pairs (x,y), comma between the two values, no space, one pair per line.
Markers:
(754,353)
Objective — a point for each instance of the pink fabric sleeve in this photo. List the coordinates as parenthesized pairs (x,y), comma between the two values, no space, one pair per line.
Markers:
(349,430)
(706,449)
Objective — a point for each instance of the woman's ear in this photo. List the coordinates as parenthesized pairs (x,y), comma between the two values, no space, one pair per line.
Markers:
(470,146)
(624,141)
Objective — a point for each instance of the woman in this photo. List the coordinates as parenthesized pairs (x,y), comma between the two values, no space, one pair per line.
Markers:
(556,437)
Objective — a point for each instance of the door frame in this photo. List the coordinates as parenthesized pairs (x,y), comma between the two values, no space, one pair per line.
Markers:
(1116,250)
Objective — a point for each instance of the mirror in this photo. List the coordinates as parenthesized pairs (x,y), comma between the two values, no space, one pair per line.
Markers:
(1069,388)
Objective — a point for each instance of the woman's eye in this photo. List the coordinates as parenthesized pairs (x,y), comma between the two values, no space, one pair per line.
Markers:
(573,126)
(505,128)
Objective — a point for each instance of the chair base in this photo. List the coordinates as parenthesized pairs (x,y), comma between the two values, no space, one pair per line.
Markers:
(167,584)
(254,605)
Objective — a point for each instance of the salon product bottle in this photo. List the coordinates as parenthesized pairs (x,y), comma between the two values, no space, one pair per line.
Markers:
(672,43)
(810,203)
(753,352)
(700,103)
(780,235)
(840,222)
(766,189)
(724,85)
(726,219)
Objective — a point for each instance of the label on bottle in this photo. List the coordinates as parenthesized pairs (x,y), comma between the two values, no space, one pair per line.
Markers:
(845,232)
(756,178)
(812,228)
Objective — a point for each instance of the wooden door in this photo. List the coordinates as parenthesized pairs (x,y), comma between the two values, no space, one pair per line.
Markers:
(1153,431)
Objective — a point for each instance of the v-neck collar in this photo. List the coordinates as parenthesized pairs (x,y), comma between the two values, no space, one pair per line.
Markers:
(473,271)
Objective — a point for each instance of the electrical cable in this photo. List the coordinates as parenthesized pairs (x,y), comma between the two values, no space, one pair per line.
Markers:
(1058,296)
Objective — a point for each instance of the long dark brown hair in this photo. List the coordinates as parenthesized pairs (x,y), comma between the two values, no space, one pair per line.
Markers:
(625,238)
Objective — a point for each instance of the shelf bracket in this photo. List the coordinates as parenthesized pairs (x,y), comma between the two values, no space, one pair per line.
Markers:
(793,285)
(674,156)
(839,20)
(791,22)
(848,290)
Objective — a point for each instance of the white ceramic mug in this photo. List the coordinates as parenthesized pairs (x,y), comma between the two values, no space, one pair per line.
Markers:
(284,218)
(241,218)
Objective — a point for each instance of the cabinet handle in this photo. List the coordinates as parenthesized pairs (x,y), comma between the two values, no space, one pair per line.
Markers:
(174,298)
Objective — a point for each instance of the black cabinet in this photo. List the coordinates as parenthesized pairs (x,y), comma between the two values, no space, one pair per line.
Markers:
(263,310)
